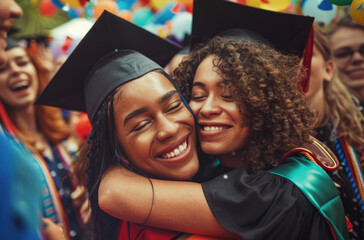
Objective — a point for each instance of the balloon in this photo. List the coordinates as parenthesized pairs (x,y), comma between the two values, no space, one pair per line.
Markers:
(83,126)
(125,4)
(58,4)
(72,3)
(275,5)
(144,2)
(74,13)
(142,16)
(126,15)
(325,5)
(188,4)
(341,2)
(181,25)
(89,10)
(47,8)
(311,8)
(357,11)
(165,13)
(253,3)
(158,4)
(100,6)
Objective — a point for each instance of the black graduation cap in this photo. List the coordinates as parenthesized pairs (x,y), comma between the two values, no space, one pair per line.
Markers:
(287,33)
(10,43)
(113,52)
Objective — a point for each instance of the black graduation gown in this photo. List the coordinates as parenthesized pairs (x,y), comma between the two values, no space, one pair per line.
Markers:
(261,205)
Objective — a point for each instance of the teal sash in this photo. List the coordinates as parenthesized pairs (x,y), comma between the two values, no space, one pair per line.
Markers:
(318,187)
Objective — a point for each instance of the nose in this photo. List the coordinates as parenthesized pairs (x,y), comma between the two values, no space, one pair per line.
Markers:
(167,128)
(210,107)
(14,69)
(357,57)
(15,10)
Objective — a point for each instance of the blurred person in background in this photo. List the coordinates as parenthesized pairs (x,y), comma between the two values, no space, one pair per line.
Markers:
(347,42)
(40,130)
(9,9)
(340,127)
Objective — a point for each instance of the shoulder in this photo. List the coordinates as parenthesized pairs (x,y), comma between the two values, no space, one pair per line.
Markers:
(318,153)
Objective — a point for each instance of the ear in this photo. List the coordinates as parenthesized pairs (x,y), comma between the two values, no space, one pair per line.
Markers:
(124,159)
(329,70)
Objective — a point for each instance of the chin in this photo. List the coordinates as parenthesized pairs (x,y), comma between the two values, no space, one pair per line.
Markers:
(213,149)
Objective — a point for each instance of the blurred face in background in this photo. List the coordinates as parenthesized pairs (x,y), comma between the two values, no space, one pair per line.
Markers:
(18,79)
(9,9)
(348,48)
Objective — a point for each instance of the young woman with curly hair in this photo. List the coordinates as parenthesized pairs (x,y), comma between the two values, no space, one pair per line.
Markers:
(340,127)
(41,130)
(250,113)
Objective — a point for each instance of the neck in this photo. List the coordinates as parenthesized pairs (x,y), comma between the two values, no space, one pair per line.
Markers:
(317,104)
(25,120)
(231,160)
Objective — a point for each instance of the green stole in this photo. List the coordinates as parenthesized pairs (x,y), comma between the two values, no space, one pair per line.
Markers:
(319,190)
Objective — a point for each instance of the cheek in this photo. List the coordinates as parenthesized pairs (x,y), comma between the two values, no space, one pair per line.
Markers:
(195,107)
(138,151)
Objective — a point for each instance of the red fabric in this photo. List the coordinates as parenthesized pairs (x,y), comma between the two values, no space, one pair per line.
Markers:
(66,44)
(4,117)
(307,57)
(132,231)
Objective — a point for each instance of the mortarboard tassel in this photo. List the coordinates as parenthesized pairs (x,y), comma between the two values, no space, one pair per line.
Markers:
(307,58)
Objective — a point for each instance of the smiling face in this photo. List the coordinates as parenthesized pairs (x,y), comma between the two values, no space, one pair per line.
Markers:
(18,79)
(8,9)
(220,123)
(348,48)
(155,129)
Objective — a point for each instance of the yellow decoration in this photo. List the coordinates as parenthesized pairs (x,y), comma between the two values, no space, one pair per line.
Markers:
(158,4)
(253,3)
(275,5)
(357,11)
(72,3)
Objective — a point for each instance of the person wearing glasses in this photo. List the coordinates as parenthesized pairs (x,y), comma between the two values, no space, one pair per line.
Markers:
(340,127)
(347,41)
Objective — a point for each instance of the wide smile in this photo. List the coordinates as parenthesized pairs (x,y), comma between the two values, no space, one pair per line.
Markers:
(176,153)
(213,129)
(19,86)
(356,74)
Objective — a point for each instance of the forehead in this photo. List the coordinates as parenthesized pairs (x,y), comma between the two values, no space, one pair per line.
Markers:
(346,37)
(207,72)
(16,52)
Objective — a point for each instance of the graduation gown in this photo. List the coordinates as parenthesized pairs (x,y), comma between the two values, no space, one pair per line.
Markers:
(267,205)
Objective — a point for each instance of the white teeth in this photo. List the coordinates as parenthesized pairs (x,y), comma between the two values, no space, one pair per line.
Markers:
(212,128)
(20,84)
(181,148)
(177,151)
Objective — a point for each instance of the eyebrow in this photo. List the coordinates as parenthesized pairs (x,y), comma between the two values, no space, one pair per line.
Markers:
(142,110)
(134,114)
(200,84)
(168,95)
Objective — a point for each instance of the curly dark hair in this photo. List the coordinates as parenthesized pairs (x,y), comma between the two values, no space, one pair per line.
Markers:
(264,83)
